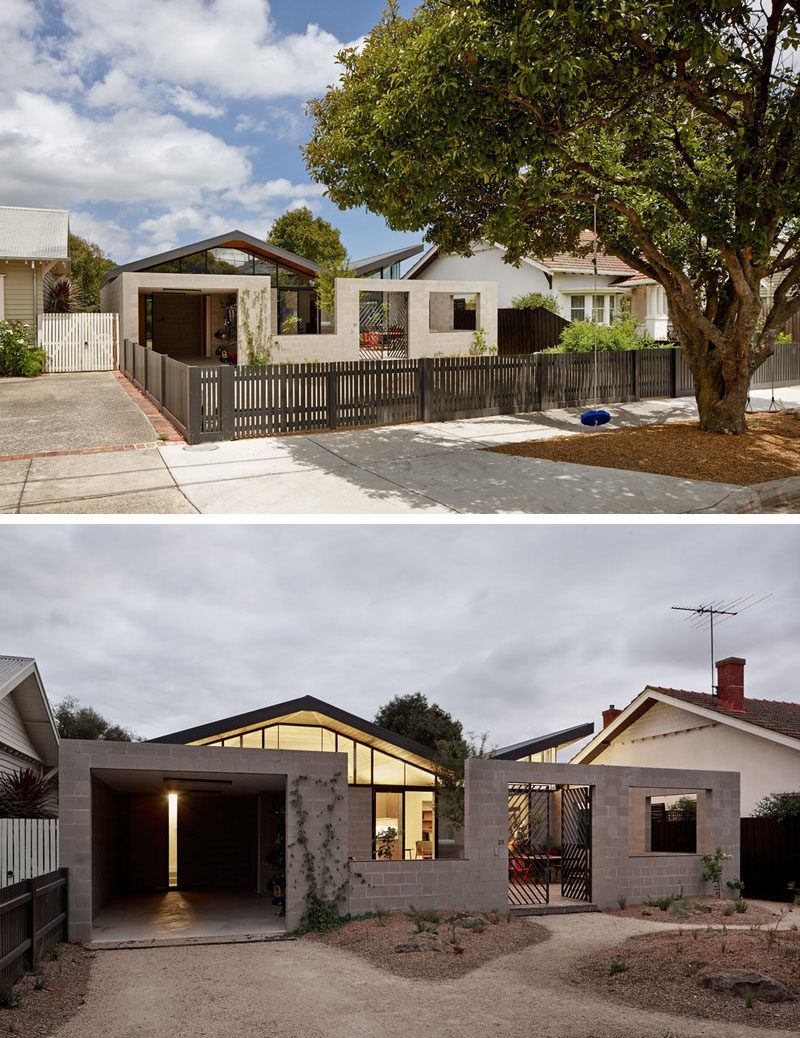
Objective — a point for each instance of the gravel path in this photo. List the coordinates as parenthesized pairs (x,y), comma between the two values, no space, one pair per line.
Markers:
(301,989)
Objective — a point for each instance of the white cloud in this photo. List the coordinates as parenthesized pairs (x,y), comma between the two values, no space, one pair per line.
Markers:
(281,123)
(229,46)
(117,90)
(189,102)
(49,155)
(254,195)
(110,235)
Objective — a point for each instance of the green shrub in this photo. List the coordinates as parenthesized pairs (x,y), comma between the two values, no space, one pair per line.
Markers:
(617,967)
(424,919)
(624,333)
(19,354)
(780,806)
(533,300)
(714,864)
(740,906)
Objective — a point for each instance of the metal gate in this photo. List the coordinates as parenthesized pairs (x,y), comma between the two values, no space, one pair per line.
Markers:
(576,842)
(383,325)
(529,842)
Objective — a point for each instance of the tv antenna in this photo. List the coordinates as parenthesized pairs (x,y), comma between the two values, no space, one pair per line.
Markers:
(702,618)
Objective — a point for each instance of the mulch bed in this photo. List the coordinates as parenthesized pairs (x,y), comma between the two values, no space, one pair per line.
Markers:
(770,450)
(703,911)
(375,940)
(663,968)
(41,1012)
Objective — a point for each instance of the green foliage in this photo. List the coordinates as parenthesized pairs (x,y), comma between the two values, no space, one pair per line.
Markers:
(83,722)
(480,346)
(622,901)
(326,282)
(533,300)
(88,266)
(326,886)
(425,920)
(19,354)
(784,337)
(740,906)
(684,809)
(624,333)
(385,844)
(617,967)
(735,885)
(679,908)
(25,794)
(451,756)
(62,297)
(501,122)
(714,864)
(779,806)
(310,237)
(412,716)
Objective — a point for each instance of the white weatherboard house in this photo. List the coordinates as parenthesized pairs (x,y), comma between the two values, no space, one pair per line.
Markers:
(667,727)
(28,736)
(34,249)
(568,277)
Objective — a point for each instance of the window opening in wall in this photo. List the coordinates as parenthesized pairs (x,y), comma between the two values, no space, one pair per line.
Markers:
(172,840)
(449,312)
(383,325)
(673,824)
(148,321)
(404,824)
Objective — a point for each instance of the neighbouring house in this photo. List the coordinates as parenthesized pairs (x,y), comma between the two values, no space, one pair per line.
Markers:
(215,299)
(252,805)
(34,250)
(668,727)
(568,277)
(28,733)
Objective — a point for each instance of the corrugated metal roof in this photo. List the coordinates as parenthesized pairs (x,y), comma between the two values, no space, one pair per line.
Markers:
(11,666)
(34,233)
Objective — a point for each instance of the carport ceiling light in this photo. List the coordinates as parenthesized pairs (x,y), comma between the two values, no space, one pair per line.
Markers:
(175,781)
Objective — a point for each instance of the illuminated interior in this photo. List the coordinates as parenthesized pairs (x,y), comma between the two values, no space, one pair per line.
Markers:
(405,824)
(172,841)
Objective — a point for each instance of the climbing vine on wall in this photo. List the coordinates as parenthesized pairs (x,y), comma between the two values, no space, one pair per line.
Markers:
(325,877)
(254,310)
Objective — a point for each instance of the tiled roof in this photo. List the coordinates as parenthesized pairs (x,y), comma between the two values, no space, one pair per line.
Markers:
(33,233)
(605,264)
(783,718)
(637,279)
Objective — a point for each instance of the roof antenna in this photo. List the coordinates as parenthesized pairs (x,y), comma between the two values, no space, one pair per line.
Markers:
(703,617)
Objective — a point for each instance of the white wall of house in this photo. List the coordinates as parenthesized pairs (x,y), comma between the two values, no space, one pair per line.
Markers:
(16,749)
(486,264)
(567,285)
(667,736)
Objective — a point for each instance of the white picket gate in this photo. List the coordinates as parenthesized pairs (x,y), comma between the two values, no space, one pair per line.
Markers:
(79,342)
(28,848)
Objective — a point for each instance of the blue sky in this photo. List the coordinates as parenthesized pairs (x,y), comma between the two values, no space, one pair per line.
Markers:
(160,122)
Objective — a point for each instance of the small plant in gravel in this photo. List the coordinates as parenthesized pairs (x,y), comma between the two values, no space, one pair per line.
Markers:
(617,967)
(747,995)
(425,920)
(727,910)
(714,864)
(476,925)
(740,906)
(680,908)
(735,886)
(622,902)
(662,902)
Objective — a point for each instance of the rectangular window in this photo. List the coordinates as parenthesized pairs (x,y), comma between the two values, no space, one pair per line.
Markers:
(300,737)
(363,765)
(271,738)
(328,741)
(254,740)
(288,316)
(578,308)
(673,824)
(388,826)
(345,745)
(599,309)
(420,833)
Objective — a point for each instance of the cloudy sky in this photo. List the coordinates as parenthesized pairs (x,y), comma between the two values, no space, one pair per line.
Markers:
(517,630)
(158,123)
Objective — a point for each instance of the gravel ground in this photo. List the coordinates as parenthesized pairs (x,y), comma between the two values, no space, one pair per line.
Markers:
(305,989)
(39,1012)
(702,911)
(376,939)
(677,960)
(770,450)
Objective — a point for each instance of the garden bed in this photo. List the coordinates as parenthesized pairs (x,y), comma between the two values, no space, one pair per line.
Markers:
(49,996)
(704,911)
(663,972)
(375,940)
(770,450)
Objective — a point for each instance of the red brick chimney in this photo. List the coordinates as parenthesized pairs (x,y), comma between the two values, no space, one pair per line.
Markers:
(730,683)
(610,715)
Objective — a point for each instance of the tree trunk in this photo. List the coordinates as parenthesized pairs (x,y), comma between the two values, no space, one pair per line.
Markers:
(720,389)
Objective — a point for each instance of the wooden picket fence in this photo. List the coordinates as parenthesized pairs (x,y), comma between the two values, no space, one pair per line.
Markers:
(226,403)
(33,919)
(28,848)
(79,342)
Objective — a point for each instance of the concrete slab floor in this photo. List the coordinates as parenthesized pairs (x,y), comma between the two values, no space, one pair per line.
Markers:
(178,913)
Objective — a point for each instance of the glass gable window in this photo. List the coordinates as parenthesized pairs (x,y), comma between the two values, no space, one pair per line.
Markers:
(195,264)
(229,261)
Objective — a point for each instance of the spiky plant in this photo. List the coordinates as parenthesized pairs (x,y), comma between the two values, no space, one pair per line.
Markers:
(24,794)
(63,297)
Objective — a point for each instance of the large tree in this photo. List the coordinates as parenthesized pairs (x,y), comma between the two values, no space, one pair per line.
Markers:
(309,236)
(84,722)
(88,265)
(414,717)
(505,119)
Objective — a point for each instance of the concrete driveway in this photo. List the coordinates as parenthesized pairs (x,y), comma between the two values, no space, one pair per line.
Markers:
(396,470)
(68,412)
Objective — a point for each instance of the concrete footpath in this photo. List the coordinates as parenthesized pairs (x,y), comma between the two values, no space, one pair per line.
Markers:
(399,470)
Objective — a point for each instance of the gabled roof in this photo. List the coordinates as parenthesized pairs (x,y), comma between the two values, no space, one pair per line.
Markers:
(777,721)
(385,259)
(232,239)
(315,711)
(20,675)
(29,234)
(555,740)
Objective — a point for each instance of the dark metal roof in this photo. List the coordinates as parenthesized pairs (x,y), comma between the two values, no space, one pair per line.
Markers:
(385,259)
(545,742)
(232,239)
(291,706)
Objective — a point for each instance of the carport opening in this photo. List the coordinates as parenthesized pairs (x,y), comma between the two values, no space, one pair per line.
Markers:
(181,855)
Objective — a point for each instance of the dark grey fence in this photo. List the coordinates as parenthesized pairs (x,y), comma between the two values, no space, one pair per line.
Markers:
(33,918)
(527,331)
(225,403)
(770,858)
